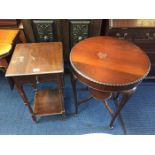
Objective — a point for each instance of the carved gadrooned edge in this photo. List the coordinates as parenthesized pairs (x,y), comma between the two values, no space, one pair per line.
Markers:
(110,84)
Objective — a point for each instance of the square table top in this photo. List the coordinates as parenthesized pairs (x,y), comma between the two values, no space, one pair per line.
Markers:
(8,35)
(36,59)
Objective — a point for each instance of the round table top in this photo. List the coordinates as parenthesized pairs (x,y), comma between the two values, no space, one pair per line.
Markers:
(4,49)
(109,61)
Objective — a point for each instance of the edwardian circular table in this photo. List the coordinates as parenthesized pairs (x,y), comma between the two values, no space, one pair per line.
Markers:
(110,67)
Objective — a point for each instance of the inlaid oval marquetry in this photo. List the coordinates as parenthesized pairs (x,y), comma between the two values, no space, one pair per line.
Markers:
(109,61)
(102,55)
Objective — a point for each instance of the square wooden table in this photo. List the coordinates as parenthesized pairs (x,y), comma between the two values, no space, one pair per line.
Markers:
(34,63)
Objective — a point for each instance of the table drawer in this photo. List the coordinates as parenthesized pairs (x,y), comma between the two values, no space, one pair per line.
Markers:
(134,34)
(152,71)
(151,56)
(144,34)
(147,46)
(46,77)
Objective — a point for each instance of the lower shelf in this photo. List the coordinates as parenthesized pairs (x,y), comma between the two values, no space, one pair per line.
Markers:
(48,102)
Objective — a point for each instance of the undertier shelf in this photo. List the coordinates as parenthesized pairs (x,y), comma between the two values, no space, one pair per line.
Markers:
(48,102)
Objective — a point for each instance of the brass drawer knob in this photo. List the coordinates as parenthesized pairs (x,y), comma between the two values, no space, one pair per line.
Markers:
(149,36)
(118,34)
(122,36)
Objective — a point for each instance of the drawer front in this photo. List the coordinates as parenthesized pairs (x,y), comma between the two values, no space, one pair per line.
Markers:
(44,30)
(25,79)
(147,34)
(121,33)
(147,46)
(46,77)
(151,56)
(79,30)
(152,71)
(134,34)
(142,37)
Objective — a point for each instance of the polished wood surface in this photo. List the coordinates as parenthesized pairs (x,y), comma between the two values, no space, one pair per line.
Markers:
(36,58)
(109,61)
(33,63)
(8,22)
(139,31)
(132,23)
(47,102)
(3,64)
(8,35)
(108,65)
(28,31)
(65,30)
(8,39)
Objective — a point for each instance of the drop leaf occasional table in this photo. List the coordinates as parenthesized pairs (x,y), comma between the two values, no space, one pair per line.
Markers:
(8,39)
(34,63)
(110,67)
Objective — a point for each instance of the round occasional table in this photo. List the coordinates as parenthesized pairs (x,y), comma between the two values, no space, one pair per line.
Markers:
(110,67)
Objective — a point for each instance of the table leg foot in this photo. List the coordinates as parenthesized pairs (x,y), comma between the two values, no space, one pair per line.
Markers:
(125,97)
(34,118)
(63,116)
(111,127)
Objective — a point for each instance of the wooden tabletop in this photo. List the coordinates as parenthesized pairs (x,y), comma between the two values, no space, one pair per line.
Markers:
(36,58)
(8,35)
(109,61)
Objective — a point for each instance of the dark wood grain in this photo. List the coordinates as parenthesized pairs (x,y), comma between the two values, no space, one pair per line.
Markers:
(132,23)
(36,58)
(110,61)
(3,64)
(139,31)
(34,63)
(8,39)
(8,22)
(28,30)
(108,65)
(47,102)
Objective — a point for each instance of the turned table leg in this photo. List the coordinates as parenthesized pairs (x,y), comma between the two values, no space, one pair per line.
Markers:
(60,82)
(23,95)
(73,81)
(125,97)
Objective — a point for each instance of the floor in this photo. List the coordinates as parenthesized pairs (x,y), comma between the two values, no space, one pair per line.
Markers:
(137,117)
